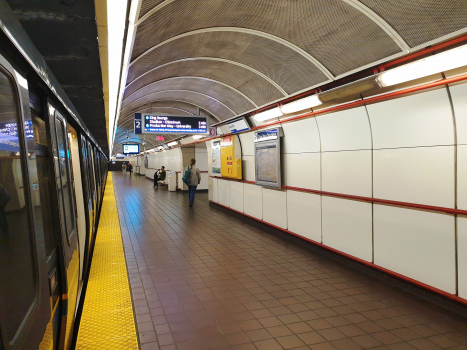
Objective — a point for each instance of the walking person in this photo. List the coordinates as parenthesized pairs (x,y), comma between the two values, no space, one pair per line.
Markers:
(159,175)
(124,169)
(195,179)
(129,167)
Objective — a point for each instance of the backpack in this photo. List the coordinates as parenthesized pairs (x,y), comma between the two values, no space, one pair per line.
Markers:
(187,176)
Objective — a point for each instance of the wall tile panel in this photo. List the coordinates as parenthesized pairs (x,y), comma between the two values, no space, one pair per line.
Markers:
(248,168)
(236,195)
(304,214)
(347,172)
(462,255)
(223,192)
(347,226)
(424,119)
(253,200)
(301,136)
(275,207)
(462,177)
(459,101)
(346,130)
(302,170)
(416,244)
(422,175)
(248,146)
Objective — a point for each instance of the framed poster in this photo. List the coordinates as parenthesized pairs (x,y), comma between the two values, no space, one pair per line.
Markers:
(268,158)
(216,157)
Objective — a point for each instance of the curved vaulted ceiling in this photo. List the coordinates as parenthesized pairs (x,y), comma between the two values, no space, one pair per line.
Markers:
(228,57)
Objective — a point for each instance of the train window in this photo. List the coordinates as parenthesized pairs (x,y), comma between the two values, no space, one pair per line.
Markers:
(66,184)
(17,268)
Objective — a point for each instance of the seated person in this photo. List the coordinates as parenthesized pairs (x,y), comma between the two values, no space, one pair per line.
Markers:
(159,175)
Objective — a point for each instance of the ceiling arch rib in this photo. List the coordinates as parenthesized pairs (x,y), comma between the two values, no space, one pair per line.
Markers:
(381,23)
(195,83)
(251,84)
(249,31)
(333,32)
(226,95)
(287,69)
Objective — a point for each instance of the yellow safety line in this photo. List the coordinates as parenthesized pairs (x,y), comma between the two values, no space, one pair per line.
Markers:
(107,321)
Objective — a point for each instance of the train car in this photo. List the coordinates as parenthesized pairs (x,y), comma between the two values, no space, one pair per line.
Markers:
(52,178)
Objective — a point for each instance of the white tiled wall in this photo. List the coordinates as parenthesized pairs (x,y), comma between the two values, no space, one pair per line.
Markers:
(459,101)
(423,175)
(347,226)
(347,172)
(236,195)
(401,150)
(417,244)
(462,255)
(275,207)
(423,119)
(304,214)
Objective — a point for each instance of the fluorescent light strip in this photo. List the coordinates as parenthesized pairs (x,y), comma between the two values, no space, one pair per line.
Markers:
(197,137)
(438,63)
(173,143)
(300,105)
(269,114)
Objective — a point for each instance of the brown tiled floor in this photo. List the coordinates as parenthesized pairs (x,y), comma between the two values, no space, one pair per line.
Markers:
(204,279)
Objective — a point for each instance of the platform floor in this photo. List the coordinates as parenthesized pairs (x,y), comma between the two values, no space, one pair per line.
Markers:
(202,278)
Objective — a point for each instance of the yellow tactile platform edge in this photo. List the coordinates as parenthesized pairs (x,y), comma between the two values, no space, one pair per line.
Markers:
(107,321)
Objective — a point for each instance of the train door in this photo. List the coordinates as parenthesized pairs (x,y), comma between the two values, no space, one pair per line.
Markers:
(51,243)
(24,294)
(68,223)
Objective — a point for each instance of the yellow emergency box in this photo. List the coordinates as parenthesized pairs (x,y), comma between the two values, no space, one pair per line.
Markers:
(231,158)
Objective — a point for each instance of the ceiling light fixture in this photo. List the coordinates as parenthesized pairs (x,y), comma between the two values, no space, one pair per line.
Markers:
(269,114)
(197,137)
(161,148)
(438,63)
(173,143)
(300,105)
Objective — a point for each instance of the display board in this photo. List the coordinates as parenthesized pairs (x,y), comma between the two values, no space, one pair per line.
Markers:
(170,124)
(268,158)
(130,149)
(231,158)
(216,157)
(238,125)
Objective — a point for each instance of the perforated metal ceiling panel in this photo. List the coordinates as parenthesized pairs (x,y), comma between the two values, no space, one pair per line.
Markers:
(249,83)
(335,33)
(421,21)
(206,102)
(147,5)
(285,66)
(232,98)
(232,56)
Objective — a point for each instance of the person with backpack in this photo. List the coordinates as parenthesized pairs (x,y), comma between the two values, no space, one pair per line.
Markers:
(159,175)
(192,178)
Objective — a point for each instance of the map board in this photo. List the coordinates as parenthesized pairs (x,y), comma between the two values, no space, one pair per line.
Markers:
(266,163)
(268,158)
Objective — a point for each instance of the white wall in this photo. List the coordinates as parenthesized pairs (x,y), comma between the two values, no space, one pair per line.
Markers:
(404,150)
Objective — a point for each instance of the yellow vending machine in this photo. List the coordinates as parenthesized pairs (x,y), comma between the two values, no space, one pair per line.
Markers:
(231,158)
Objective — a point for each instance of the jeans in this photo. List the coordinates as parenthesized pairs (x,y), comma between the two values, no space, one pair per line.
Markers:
(191,193)
(156,178)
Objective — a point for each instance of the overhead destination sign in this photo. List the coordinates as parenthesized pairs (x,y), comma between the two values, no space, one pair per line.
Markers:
(170,124)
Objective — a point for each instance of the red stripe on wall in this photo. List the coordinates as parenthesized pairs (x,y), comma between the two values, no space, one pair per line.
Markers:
(366,263)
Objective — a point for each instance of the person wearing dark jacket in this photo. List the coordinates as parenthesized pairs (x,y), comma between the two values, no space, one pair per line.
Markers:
(159,175)
(129,167)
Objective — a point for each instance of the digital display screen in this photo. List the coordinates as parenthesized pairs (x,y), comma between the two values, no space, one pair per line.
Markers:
(11,129)
(169,124)
(130,149)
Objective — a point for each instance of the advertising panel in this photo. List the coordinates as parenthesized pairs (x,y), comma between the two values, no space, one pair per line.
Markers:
(216,157)
(268,158)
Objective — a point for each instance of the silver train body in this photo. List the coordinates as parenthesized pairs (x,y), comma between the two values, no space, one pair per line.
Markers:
(52,178)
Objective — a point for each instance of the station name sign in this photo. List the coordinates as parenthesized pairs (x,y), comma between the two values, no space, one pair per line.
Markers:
(170,124)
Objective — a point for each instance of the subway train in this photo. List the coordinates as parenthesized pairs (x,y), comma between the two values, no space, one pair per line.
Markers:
(52,178)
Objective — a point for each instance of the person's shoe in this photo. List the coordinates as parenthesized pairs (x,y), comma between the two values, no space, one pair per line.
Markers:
(191,204)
